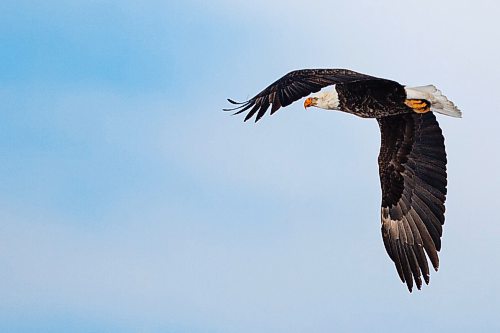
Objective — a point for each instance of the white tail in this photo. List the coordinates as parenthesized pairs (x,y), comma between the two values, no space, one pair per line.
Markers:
(439,102)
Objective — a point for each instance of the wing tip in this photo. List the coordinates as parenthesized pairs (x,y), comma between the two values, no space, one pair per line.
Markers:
(239,105)
(232,101)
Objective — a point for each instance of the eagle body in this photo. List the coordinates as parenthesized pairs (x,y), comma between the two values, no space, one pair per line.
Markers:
(412,158)
(372,98)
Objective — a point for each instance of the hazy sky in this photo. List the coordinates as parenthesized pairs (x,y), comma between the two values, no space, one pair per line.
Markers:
(129,202)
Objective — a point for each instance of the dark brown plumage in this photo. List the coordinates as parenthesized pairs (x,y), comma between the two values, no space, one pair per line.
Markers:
(292,87)
(412,168)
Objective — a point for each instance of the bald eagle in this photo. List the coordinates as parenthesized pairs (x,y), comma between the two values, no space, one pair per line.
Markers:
(412,158)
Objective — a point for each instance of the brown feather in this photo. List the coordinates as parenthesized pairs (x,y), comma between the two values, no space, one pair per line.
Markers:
(412,165)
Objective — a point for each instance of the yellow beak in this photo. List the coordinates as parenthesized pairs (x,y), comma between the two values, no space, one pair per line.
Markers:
(308,102)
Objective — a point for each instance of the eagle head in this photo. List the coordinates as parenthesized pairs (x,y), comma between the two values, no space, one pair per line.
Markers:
(328,100)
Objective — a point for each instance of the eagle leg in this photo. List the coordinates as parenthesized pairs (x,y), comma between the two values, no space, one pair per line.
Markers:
(418,105)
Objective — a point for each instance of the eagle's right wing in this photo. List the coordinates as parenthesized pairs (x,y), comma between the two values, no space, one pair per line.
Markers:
(292,87)
(412,166)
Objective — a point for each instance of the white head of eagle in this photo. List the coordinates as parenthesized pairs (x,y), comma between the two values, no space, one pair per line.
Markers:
(328,100)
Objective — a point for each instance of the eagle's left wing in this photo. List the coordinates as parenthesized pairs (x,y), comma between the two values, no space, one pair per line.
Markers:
(292,87)
(412,166)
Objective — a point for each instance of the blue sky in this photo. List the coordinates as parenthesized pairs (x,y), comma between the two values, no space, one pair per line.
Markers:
(129,202)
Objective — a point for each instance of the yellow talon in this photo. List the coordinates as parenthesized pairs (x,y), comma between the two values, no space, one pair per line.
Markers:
(418,105)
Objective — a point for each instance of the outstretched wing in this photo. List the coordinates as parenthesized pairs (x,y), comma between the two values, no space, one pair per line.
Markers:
(292,87)
(412,166)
